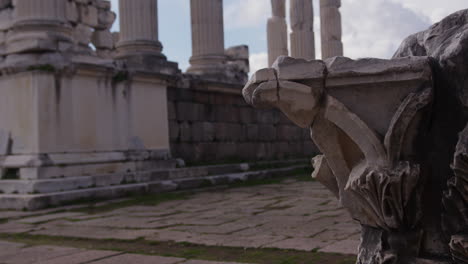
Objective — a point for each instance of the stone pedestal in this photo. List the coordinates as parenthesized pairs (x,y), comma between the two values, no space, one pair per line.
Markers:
(39,25)
(277,31)
(302,25)
(207,37)
(330,21)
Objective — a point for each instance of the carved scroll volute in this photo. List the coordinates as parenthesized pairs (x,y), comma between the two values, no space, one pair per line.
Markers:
(369,174)
(455,201)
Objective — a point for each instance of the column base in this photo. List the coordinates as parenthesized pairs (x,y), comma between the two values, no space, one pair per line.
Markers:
(210,64)
(34,36)
(145,56)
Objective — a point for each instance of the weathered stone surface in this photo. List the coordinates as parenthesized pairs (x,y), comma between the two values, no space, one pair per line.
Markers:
(288,68)
(81,257)
(207,37)
(134,258)
(302,24)
(379,162)
(102,39)
(277,31)
(330,22)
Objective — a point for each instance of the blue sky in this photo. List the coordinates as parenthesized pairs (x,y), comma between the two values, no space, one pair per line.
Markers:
(371,28)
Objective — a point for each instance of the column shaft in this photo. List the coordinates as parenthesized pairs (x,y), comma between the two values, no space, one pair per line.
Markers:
(330,19)
(302,25)
(207,35)
(138,27)
(277,32)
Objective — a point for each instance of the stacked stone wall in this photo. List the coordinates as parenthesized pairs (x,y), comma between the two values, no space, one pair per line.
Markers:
(207,126)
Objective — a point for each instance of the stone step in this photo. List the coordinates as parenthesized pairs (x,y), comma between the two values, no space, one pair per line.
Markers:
(39,201)
(110,179)
(66,171)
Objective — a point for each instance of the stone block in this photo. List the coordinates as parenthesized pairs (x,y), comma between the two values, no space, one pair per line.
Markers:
(174,130)
(4,142)
(246,115)
(106,19)
(226,113)
(6,19)
(103,4)
(221,131)
(252,132)
(203,131)
(227,150)
(189,111)
(236,132)
(246,150)
(102,39)
(89,15)
(289,133)
(289,68)
(5,3)
(185,131)
(83,34)
(267,132)
(267,116)
(238,52)
(72,12)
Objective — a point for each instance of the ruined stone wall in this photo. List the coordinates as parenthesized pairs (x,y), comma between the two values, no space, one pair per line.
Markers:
(210,126)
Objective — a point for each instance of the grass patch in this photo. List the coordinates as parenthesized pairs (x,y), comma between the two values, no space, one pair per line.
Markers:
(120,77)
(44,67)
(256,182)
(148,200)
(187,250)
(213,163)
(11,174)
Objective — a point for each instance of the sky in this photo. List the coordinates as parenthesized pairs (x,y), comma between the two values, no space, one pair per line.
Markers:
(371,28)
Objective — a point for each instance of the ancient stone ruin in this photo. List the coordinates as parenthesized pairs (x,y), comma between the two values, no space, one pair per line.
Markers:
(87,113)
(394,137)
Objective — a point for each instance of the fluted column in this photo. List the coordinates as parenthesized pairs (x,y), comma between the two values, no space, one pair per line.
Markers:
(39,25)
(207,36)
(302,25)
(330,20)
(138,28)
(277,31)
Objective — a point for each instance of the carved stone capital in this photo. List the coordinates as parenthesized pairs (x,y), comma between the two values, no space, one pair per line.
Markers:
(368,155)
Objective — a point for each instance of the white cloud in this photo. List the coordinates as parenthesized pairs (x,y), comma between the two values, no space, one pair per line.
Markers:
(246,13)
(375,28)
(434,9)
(258,61)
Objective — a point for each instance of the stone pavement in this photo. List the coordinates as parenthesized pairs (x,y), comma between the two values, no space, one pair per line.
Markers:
(295,214)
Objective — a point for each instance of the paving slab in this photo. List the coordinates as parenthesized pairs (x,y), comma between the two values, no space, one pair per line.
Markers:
(140,259)
(292,215)
(81,257)
(37,254)
(7,248)
(48,217)
(94,232)
(347,246)
(208,262)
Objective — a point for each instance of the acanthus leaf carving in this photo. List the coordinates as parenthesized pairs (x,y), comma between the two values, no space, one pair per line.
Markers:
(455,202)
(371,174)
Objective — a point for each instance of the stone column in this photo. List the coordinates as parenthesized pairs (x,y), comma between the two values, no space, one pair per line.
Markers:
(207,36)
(302,24)
(138,28)
(39,25)
(330,20)
(277,31)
